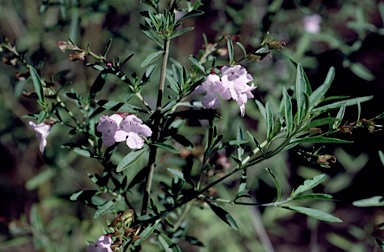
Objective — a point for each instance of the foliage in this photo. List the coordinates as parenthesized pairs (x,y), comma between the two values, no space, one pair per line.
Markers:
(181,155)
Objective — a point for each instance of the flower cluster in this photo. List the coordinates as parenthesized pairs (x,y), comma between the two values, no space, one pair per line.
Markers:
(232,84)
(103,244)
(123,127)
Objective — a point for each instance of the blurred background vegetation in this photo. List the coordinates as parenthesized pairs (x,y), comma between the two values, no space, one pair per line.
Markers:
(35,211)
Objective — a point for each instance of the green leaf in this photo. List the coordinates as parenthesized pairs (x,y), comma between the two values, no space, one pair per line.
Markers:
(318,196)
(270,122)
(317,95)
(261,109)
(98,84)
(197,63)
(300,90)
(180,32)
(82,151)
(190,14)
(167,244)
(183,141)
(42,115)
(318,139)
(176,173)
(374,201)
(308,184)
(288,111)
(348,102)
(231,53)
(152,35)
(104,209)
(361,71)
(381,155)
(225,216)
(37,84)
(243,183)
(146,232)
(277,184)
(380,243)
(151,58)
(167,147)
(317,214)
(240,45)
(129,159)
(40,178)
(319,122)
(119,106)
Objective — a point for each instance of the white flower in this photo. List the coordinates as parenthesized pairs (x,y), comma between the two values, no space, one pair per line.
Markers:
(312,23)
(42,131)
(103,244)
(213,87)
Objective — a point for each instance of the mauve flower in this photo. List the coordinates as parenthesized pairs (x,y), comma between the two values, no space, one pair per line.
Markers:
(312,23)
(116,128)
(129,131)
(42,131)
(213,88)
(233,84)
(103,244)
(108,125)
(234,80)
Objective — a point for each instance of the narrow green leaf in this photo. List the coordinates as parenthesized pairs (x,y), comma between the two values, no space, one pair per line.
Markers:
(146,233)
(40,178)
(288,111)
(183,141)
(348,102)
(317,214)
(243,183)
(261,109)
(167,147)
(119,106)
(308,184)
(197,63)
(240,45)
(167,244)
(317,95)
(42,115)
(104,209)
(318,139)
(300,90)
(320,122)
(381,155)
(151,58)
(231,53)
(318,196)
(176,173)
(82,151)
(152,35)
(361,71)
(380,243)
(374,201)
(190,14)
(129,159)
(180,32)
(98,84)
(225,216)
(270,122)
(37,84)
(277,184)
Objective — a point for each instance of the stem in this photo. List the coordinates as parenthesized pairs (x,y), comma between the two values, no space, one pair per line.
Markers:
(153,149)
(255,215)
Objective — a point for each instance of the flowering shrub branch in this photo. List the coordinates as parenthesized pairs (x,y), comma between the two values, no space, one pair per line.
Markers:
(149,132)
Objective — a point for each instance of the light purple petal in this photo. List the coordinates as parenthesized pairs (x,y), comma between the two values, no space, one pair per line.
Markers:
(134,141)
(42,131)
